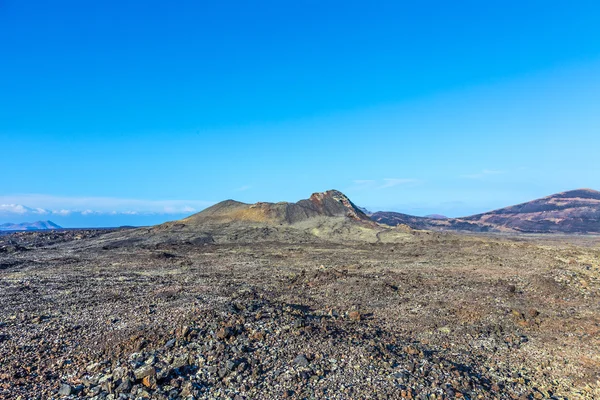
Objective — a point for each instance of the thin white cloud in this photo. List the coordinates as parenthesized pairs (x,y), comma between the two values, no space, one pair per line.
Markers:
(243,188)
(63,213)
(391,182)
(29,204)
(483,174)
(21,209)
(13,209)
(179,210)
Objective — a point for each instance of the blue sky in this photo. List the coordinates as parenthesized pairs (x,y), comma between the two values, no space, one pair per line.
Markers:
(136,112)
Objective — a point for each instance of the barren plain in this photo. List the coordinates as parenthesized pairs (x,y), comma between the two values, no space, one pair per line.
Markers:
(431,316)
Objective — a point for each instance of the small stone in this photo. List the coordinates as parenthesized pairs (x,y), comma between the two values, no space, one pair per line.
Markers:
(65,390)
(445,329)
(119,373)
(142,372)
(301,360)
(124,387)
(224,333)
(187,389)
(149,381)
(78,389)
(108,386)
(304,375)
(184,331)
(298,323)
(354,316)
(223,373)
(92,367)
(400,376)
(163,373)
(94,391)
(230,365)
(180,361)
(242,367)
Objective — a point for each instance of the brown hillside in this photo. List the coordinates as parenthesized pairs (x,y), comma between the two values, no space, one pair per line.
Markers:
(575,211)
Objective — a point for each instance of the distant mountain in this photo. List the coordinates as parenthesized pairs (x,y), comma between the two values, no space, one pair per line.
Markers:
(427,223)
(575,211)
(331,217)
(29,226)
(436,216)
(367,212)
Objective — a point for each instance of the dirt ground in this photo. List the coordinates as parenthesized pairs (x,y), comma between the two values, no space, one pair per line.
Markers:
(434,316)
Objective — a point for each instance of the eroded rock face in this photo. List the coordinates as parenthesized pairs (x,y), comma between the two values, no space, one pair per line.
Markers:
(335,203)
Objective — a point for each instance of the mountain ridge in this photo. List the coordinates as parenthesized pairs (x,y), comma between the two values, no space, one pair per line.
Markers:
(573,211)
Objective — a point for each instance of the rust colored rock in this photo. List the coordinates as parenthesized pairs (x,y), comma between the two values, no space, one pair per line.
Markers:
(224,333)
(149,381)
(354,316)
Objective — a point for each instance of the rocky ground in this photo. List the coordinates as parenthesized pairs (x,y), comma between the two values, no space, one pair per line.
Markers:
(435,316)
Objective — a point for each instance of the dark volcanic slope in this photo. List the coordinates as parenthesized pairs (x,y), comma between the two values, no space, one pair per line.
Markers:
(394,219)
(575,211)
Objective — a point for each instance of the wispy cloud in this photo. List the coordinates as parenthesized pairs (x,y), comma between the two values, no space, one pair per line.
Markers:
(21,209)
(243,188)
(62,213)
(13,209)
(483,174)
(56,205)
